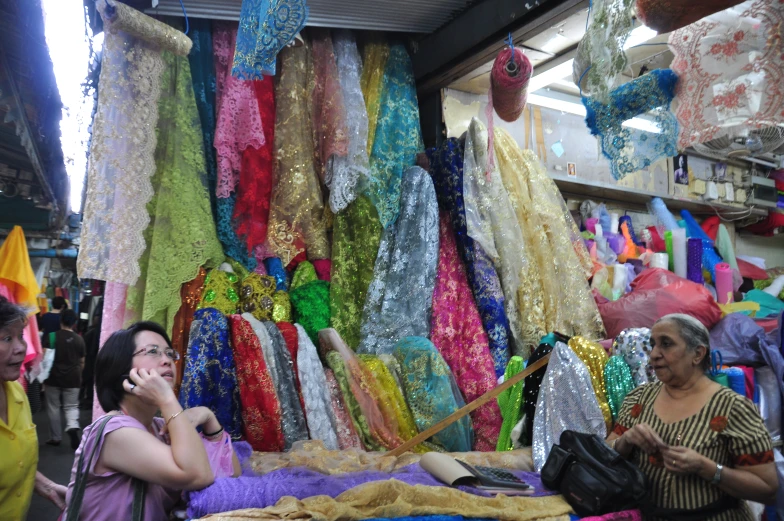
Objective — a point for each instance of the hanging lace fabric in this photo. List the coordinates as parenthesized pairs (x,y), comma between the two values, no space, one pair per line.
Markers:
(730,67)
(347,173)
(400,298)
(266,27)
(558,255)
(491,221)
(666,16)
(398,137)
(347,434)
(210,377)
(181,235)
(261,414)
(431,392)
(355,241)
(446,164)
(632,149)
(320,417)
(457,333)
(375,54)
(566,402)
(123,142)
(297,209)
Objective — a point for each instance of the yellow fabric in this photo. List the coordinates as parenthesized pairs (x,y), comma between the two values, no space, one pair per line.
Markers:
(390,499)
(18,455)
(374,60)
(16,272)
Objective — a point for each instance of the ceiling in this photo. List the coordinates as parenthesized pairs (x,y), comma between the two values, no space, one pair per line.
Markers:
(411,16)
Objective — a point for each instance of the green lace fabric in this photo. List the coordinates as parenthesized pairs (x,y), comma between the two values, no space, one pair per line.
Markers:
(256,292)
(240,270)
(221,291)
(335,362)
(510,402)
(310,306)
(181,235)
(356,238)
(304,274)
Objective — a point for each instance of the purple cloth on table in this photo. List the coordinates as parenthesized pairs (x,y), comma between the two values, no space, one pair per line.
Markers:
(262,491)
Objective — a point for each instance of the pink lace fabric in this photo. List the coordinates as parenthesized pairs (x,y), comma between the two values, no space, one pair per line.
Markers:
(238,123)
(731,69)
(459,336)
(347,435)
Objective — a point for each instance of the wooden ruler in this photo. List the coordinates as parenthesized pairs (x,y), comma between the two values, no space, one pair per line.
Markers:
(471,407)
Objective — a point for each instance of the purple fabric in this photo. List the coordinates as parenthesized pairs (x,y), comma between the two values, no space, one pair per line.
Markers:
(742,342)
(228,494)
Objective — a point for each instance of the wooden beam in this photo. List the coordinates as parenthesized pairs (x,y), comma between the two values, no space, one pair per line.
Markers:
(471,407)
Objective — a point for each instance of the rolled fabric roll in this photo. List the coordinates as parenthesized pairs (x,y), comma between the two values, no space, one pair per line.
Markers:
(679,252)
(660,260)
(120,17)
(614,223)
(724,293)
(694,262)
(668,244)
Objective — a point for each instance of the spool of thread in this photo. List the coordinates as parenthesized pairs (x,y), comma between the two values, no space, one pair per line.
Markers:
(694,261)
(724,283)
(668,247)
(613,223)
(737,380)
(598,231)
(590,224)
(659,260)
(509,83)
(679,252)
(659,210)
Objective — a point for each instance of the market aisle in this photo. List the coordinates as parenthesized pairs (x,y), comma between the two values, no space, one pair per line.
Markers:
(54,462)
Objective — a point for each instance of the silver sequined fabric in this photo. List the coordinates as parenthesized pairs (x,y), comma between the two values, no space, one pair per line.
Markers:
(566,402)
(634,345)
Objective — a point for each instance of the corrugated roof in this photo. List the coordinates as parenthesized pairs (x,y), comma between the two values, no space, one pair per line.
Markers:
(414,16)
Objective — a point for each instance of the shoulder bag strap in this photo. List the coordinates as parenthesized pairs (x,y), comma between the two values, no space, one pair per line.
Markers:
(139,491)
(77,494)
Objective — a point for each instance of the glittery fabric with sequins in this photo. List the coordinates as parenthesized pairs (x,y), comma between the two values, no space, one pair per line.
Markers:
(400,298)
(210,376)
(634,345)
(256,292)
(375,54)
(221,291)
(190,294)
(618,382)
(594,357)
(510,402)
(347,434)
(310,304)
(531,386)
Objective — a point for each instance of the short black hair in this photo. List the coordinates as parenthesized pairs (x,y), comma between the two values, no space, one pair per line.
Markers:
(59,303)
(115,360)
(68,317)
(10,313)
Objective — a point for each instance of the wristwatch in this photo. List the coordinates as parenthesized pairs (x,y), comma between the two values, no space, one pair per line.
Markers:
(717,476)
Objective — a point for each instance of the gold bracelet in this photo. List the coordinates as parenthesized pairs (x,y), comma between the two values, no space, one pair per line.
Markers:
(173,416)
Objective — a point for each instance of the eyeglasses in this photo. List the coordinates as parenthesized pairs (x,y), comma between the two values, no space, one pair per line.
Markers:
(157,352)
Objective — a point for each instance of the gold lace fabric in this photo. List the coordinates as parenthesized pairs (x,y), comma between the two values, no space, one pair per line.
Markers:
(257,296)
(374,61)
(296,221)
(595,358)
(120,17)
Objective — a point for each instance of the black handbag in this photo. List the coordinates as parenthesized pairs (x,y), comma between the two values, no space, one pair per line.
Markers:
(593,478)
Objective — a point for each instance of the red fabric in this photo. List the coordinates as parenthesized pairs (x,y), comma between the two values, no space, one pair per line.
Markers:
(750,271)
(251,211)
(289,332)
(655,293)
(748,373)
(302,257)
(768,225)
(323,269)
(260,406)
(665,16)
(711,226)
(750,460)
(658,243)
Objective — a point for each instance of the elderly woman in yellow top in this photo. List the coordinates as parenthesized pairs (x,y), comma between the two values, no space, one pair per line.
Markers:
(18,439)
(703,447)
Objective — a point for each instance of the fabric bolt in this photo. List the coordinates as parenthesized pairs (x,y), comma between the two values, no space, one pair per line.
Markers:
(491,222)
(281,309)
(400,297)
(266,27)
(347,434)
(190,293)
(349,172)
(375,422)
(566,401)
(320,417)
(274,267)
(432,393)
(510,403)
(221,292)
(618,382)
(310,305)
(398,137)
(634,345)
(457,333)
(323,269)
(356,238)
(290,336)
(375,54)
(446,165)
(256,296)
(261,411)
(594,357)
(209,378)
(181,235)
(304,273)
(559,257)
(531,387)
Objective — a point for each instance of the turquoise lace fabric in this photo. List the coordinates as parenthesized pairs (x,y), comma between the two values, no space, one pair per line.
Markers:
(266,27)
(632,149)
(432,393)
(398,135)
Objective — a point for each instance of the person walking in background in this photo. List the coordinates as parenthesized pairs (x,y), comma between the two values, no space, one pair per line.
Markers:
(92,340)
(65,380)
(50,322)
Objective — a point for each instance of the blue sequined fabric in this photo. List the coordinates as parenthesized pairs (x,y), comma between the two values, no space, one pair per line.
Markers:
(446,166)
(398,136)
(432,393)
(266,27)
(654,133)
(274,267)
(209,378)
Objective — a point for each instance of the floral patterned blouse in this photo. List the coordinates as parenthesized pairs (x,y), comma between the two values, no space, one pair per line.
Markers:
(728,430)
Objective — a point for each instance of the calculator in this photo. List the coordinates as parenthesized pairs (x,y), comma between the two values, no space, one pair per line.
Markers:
(492,477)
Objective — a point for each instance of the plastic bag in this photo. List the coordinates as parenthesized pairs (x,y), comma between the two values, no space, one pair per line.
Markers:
(656,293)
(46,365)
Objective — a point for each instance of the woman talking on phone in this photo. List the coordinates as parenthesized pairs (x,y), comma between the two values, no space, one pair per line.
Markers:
(131,463)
